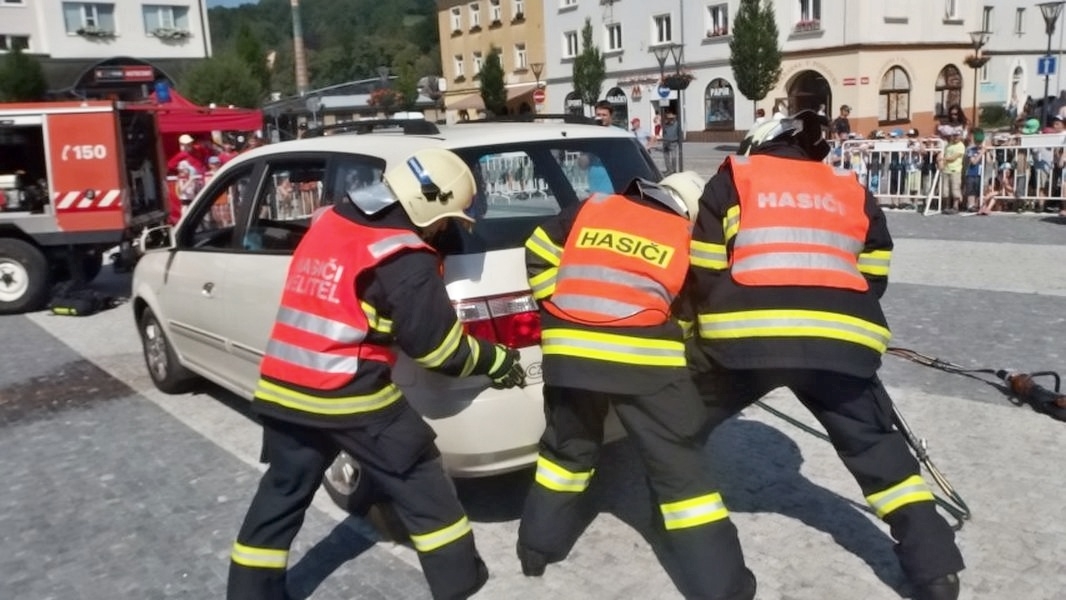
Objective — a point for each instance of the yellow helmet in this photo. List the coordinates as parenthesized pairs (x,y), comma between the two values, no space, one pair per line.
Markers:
(431,185)
(686,186)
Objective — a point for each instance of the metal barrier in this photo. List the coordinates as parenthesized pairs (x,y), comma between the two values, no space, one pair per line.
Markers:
(897,171)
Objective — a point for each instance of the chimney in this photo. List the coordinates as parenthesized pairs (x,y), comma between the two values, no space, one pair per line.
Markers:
(299,56)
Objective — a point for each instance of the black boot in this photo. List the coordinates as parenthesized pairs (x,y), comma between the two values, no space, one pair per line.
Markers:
(533,562)
(941,588)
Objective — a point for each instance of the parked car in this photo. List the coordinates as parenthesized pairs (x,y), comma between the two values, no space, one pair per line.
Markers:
(205,293)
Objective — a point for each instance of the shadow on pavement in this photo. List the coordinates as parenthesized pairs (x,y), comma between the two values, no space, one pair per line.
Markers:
(340,546)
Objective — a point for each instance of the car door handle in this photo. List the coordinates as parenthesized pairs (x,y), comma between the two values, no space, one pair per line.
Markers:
(207,289)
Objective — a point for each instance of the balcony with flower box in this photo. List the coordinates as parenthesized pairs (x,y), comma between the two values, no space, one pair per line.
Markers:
(717,32)
(807,26)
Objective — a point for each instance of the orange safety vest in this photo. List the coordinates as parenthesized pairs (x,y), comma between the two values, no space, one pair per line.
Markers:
(804,227)
(622,265)
(319,335)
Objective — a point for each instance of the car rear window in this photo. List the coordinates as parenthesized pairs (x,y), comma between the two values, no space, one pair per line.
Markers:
(520,185)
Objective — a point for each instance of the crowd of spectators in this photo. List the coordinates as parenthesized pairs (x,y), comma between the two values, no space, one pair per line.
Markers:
(198,159)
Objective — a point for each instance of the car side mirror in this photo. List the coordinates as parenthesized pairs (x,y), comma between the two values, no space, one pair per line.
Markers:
(155,238)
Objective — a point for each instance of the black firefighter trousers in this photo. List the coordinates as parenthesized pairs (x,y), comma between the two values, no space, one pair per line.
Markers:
(857,416)
(395,448)
(665,427)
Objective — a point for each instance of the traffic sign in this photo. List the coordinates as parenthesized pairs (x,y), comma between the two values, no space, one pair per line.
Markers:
(1045,65)
(664,92)
(538,96)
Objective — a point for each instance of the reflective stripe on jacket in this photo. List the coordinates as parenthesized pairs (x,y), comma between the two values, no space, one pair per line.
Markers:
(622,265)
(320,334)
(804,230)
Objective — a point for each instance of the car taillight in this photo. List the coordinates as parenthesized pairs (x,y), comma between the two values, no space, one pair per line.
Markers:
(511,320)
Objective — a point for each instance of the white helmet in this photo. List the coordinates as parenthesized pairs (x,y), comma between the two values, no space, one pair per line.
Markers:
(686,186)
(431,185)
(805,127)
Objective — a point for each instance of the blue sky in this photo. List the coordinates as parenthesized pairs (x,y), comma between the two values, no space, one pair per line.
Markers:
(214,3)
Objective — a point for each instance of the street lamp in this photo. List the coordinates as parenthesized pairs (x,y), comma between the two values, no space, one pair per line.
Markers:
(662,52)
(978,39)
(537,68)
(1050,12)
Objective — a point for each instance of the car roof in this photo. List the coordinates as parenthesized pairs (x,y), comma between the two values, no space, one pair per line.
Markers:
(395,147)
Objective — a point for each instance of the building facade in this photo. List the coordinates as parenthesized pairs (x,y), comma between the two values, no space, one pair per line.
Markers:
(896,64)
(107,49)
(468,32)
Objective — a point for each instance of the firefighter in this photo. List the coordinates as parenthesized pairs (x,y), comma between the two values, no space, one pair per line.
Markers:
(364,277)
(790,259)
(606,273)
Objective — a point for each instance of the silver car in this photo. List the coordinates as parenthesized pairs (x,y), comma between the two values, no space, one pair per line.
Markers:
(206,292)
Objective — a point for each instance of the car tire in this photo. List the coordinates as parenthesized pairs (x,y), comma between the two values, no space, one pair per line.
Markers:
(168,375)
(25,278)
(350,488)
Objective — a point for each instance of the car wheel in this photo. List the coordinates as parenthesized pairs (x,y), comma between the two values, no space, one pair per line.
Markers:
(350,488)
(24,277)
(163,367)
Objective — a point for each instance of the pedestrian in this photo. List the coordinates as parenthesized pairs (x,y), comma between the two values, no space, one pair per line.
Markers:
(841,124)
(788,276)
(604,113)
(643,135)
(187,185)
(671,137)
(187,152)
(760,115)
(606,273)
(952,166)
(363,278)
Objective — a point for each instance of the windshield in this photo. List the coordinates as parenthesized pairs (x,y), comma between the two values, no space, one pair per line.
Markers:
(520,185)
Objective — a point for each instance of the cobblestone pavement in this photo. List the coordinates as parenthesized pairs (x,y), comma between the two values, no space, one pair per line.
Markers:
(113,490)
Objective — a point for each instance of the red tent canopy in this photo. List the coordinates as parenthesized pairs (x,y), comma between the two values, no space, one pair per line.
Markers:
(180,115)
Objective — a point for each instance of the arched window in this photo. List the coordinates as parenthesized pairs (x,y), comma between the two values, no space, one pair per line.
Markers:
(718,105)
(895,100)
(948,89)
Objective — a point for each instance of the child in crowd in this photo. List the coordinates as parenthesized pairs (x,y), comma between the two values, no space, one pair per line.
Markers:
(974,170)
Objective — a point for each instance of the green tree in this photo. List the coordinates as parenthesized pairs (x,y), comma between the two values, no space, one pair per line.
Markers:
(406,86)
(21,78)
(589,69)
(250,51)
(224,80)
(493,92)
(754,52)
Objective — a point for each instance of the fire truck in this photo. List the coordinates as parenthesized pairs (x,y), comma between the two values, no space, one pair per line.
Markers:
(77,179)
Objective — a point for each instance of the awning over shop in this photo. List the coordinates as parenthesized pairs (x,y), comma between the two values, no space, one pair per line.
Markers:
(474,102)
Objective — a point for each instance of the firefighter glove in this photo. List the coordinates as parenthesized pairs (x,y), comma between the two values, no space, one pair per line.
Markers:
(509,373)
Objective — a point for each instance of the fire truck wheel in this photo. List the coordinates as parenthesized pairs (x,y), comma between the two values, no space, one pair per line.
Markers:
(24,277)
(163,367)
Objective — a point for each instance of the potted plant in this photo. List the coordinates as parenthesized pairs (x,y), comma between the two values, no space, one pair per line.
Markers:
(678,81)
(168,33)
(95,32)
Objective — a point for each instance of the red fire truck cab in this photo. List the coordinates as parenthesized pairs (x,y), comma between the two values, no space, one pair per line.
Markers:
(76,180)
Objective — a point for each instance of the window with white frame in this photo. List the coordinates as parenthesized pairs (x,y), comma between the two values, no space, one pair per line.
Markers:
(1019,21)
(457,19)
(457,62)
(11,42)
(810,10)
(951,9)
(614,37)
(986,18)
(519,9)
(495,11)
(570,47)
(520,57)
(479,61)
(164,16)
(475,15)
(662,29)
(88,15)
(717,20)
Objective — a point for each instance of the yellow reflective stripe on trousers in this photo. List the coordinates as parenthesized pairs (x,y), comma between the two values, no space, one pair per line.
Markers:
(793,323)
(428,542)
(910,490)
(259,558)
(445,350)
(558,479)
(875,262)
(694,511)
(708,256)
(614,348)
(543,283)
(540,244)
(322,405)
